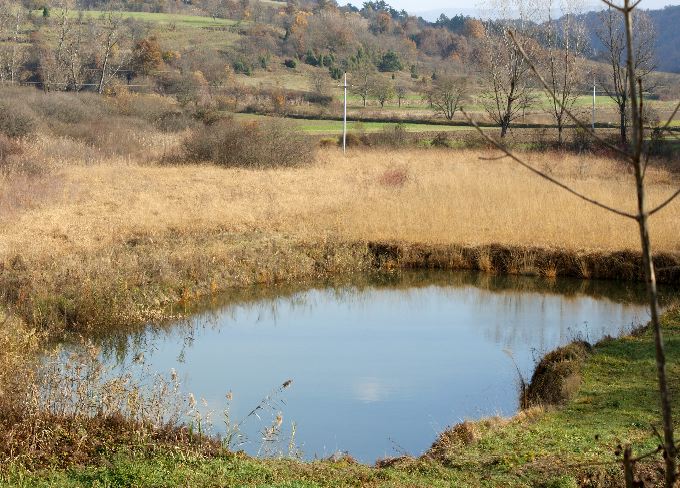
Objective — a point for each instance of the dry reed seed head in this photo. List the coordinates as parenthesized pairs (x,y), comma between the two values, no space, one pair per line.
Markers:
(192,401)
(229,396)
(279,420)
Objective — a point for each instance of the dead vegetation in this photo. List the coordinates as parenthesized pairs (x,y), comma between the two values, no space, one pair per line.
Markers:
(114,243)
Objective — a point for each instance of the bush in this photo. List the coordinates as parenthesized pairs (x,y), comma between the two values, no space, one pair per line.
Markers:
(8,148)
(290,63)
(582,140)
(241,67)
(173,122)
(15,120)
(336,72)
(391,136)
(266,144)
(441,140)
(62,107)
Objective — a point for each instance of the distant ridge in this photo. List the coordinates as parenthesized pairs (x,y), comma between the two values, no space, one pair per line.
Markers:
(666,22)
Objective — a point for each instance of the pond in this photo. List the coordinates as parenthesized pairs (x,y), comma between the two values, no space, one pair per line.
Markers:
(381,365)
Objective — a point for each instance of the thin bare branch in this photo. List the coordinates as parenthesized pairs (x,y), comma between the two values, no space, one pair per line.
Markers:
(545,176)
(497,158)
(614,6)
(670,119)
(566,110)
(665,202)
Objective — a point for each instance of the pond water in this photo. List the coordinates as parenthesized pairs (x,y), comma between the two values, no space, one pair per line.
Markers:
(378,367)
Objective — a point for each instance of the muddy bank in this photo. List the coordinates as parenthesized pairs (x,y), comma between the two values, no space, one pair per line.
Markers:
(531,261)
(147,280)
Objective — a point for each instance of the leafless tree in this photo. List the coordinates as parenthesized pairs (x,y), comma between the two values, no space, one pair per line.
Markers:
(363,78)
(12,54)
(113,41)
(400,91)
(565,42)
(638,159)
(505,72)
(447,94)
(382,90)
(612,35)
(319,81)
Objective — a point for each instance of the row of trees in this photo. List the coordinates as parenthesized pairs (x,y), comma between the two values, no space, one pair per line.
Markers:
(558,48)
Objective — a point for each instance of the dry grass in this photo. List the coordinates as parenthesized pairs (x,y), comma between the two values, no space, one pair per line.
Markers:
(114,243)
(447,197)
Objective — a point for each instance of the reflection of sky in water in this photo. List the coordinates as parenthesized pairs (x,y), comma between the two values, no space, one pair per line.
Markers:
(379,370)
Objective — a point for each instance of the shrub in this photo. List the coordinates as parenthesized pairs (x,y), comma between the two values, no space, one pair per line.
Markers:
(290,63)
(8,148)
(15,119)
(173,122)
(336,72)
(392,136)
(241,67)
(354,139)
(266,144)
(582,139)
(62,107)
(441,140)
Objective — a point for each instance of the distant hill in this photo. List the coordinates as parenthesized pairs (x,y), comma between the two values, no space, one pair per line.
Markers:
(667,23)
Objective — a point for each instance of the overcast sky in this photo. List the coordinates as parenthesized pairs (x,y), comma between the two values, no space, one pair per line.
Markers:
(470,7)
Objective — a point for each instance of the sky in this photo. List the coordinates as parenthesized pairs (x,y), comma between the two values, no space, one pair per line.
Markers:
(471,7)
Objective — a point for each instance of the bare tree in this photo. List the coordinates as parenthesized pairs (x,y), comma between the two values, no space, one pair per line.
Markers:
(11,54)
(565,42)
(113,42)
(401,91)
(319,81)
(363,78)
(382,90)
(638,159)
(612,35)
(447,94)
(505,72)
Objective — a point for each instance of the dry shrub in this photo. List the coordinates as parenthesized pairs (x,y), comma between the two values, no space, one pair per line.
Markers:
(442,139)
(67,108)
(266,144)
(16,120)
(459,437)
(8,148)
(390,136)
(394,177)
(354,139)
(558,376)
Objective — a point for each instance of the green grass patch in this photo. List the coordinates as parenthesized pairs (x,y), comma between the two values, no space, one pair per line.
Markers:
(321,127)
(195,21)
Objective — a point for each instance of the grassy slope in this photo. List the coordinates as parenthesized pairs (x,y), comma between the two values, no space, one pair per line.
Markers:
(616,404)
(161,18)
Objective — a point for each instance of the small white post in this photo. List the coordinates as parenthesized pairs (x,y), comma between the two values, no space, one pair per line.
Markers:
(344,118)
(593,102)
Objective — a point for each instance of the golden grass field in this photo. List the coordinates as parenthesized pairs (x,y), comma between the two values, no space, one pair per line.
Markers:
(416,196)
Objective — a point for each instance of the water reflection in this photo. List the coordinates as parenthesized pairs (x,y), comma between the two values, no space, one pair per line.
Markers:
(382,364)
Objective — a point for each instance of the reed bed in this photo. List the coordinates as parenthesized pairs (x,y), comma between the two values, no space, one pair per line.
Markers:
(416,196)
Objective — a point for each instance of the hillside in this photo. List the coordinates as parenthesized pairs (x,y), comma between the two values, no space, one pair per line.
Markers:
(665,22)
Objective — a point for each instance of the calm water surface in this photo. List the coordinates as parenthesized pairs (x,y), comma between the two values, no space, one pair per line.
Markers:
(380,367)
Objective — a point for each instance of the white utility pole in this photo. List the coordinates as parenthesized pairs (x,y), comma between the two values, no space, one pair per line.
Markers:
(344,118)
(593,102)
